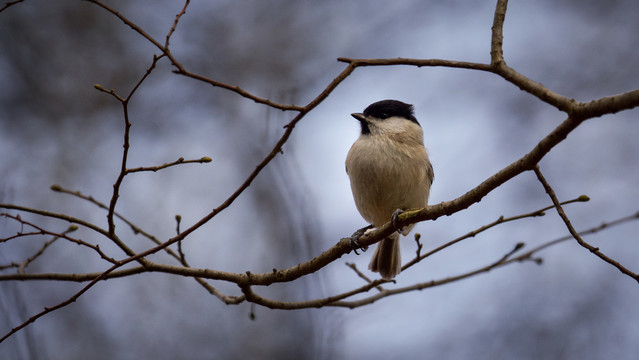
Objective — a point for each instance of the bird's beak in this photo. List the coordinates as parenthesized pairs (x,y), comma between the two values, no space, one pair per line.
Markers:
(359,116)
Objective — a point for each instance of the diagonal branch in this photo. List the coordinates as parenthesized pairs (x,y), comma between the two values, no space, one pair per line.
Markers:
(56,236)
(10,3)
(234,88)
(574,233)
(70,300)
(180,68)
(500,220)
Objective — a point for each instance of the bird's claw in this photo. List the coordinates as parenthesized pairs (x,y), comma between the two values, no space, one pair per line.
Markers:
(394,219)
(354,243)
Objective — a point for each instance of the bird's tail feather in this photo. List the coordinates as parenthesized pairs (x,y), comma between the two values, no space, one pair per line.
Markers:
(387,259)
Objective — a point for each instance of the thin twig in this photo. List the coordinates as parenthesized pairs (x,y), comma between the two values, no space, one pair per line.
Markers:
(56,236)
(136,229)
(362,275)
(125,153)
(182,71)
(590,231)
(59,305)
(418,250)
(30,259)
(53,215)
(175,23)
(179,161)
(234,88)
(178,219)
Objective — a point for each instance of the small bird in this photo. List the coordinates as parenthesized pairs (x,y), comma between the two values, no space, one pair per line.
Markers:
(390,172)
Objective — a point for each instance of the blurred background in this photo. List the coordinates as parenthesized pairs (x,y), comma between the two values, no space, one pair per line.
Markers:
(55,128)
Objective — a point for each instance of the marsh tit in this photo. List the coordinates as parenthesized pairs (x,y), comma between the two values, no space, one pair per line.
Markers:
(390,172)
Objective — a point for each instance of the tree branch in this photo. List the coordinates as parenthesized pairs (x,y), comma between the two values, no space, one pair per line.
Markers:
(179,161)
(10,3)
(497,39)
(500,220)
(180,68)
(574,233)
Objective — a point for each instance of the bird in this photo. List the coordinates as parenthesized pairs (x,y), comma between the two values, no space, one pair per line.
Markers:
(389,172)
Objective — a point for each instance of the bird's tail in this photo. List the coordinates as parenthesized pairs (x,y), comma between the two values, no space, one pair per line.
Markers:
(387,259)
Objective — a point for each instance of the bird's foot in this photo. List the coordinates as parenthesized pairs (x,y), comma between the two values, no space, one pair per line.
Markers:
(354,243)
(394,219)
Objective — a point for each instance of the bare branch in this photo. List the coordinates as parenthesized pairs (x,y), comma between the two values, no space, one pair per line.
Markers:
(179,256)
(110,92)
(70,300)
(424,285)
(236,89)
(136,229)
(179,161)
(418,63)
(574,233)
(590,231)
(506,259)
(130,24)
(497,40)
(175,22)
(608,105)
(328,301)
(56,236)
(361,275)
(79,278)
(180,68)
(125,154)
(500,220)
(10,3)
(53,215)
(337,299)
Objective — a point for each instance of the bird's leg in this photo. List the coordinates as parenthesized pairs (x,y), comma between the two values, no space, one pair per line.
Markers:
(394,219)
(354,243)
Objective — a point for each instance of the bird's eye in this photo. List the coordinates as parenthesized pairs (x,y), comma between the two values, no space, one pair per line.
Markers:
(384,116)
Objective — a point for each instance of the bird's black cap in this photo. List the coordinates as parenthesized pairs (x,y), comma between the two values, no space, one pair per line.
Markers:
(389,108)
